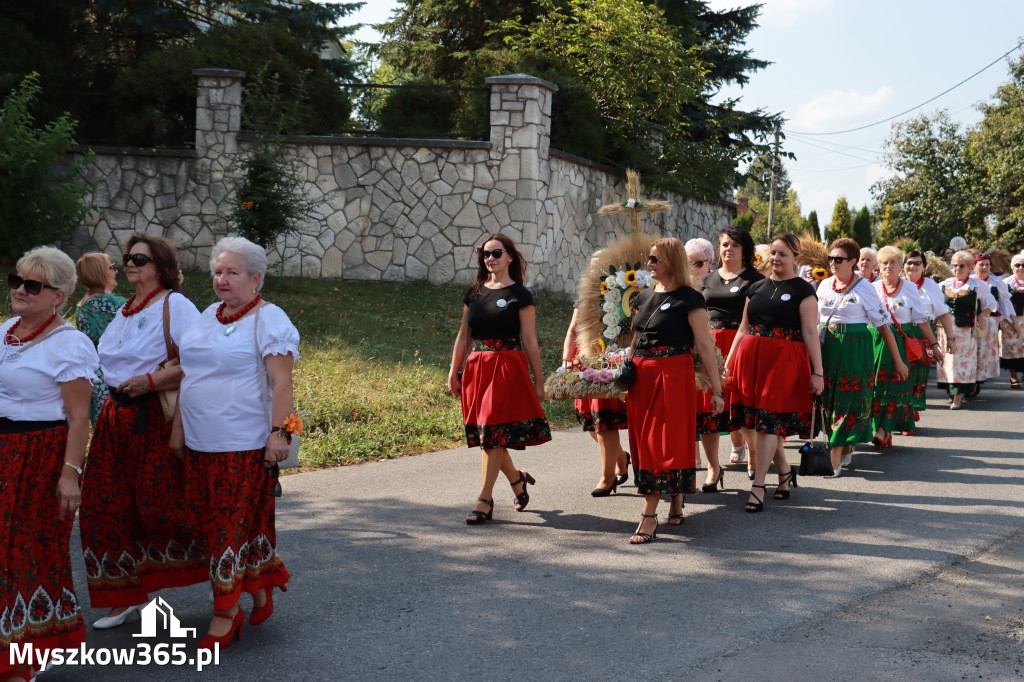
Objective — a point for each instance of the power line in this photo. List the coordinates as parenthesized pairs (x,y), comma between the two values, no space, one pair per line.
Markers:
(902,113)
(797,138)
(835,151)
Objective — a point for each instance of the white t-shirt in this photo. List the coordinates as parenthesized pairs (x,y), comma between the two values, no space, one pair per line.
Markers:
(221,400)
(31,374)
(933,298)
(135,345)
(906,305)
(860,304)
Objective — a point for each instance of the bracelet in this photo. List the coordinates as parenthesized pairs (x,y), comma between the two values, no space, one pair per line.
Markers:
(934,345)
(284,434)
(78,470)
(152,388)
(720,394)
(818,375)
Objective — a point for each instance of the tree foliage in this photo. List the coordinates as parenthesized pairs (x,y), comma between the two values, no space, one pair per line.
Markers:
(41,198)
(812,223)
(862,227)
(842,223)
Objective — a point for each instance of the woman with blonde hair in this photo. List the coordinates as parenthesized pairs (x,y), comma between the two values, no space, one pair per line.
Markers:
(1012,330)
(775,365)
(970,301)
(46,367)
(95,311)
(892,407)
(500,407)
(669,321)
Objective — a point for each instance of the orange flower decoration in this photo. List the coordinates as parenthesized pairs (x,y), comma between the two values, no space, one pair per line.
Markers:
(819,274)
(248,204)
(292,424)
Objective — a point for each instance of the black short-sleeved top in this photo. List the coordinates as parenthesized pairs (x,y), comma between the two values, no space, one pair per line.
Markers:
(725,298)
(494,313)
(669,325)
(777,304)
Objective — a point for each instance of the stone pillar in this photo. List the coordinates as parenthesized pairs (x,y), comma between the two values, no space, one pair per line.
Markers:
(520,140)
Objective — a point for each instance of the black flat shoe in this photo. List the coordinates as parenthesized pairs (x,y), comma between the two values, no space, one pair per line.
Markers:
(788,477)
(475,517)
(523,498)
(604,492)
(713,487)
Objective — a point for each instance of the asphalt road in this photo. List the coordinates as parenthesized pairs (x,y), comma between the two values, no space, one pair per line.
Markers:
(908,567)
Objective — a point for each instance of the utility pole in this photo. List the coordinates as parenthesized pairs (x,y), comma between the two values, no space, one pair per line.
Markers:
(771,189)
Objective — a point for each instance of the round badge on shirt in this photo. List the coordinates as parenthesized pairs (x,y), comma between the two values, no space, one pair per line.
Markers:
(785,297)
(734,289)
(664,306)
(502,303)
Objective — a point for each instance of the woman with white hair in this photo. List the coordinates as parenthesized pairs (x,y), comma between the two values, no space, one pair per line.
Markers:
(234,423)
(46,371)
(1012,332)
(988,345)
(701,254)
(867,265)
(969,300)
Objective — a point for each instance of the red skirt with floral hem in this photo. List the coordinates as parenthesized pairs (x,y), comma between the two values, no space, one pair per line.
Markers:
(601,414)
(706,421)
(228,502)
(771,383)
(134,536)
(37,593)
(663,425)
(499,407)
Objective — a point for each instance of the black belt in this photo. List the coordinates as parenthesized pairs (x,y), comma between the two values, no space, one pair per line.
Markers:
(122,398)
(15,426)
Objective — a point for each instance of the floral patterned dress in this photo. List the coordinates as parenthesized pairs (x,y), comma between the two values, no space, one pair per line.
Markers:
(92,317)
(1012,355)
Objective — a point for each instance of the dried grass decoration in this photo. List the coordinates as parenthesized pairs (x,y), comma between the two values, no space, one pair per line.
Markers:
(936,268)
(814,255)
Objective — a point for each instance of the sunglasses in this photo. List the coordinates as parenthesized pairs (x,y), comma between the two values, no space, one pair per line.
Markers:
(137,259)
(653,259)
(32,287)
(839,259)
(1018,265)
(274,473)
(913,264)
(497,253)
(697,263)
(960,265)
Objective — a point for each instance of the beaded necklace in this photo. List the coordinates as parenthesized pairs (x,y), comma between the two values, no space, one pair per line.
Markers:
(11,339)
(128,310)
(886,291)
(228,319)
(845,286)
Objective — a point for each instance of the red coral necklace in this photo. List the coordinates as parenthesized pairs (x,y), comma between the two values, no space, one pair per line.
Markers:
(128,310)
(886,291)
(11,339)
(228,319)
(845,286)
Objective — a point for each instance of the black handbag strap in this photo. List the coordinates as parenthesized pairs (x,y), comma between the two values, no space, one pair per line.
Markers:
(656,309)
(816,409)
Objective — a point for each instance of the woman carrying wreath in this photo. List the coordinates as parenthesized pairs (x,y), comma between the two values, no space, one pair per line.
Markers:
(46,368)
(725,292)
(602,418)
(234,423)
(669,321)
(134,535)
(775,365)
(938,312)
(500,407)
(1012,355)
(95,311)
(892,408)
(970,301)
(848,306)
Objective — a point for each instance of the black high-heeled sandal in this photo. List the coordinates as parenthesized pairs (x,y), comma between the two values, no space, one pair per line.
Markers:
(713,487)
(523,498)
(678,516)
(754,507)
(605,492)
(475,517)
(623,479)
(644,537)
(788,477)
(1014,384)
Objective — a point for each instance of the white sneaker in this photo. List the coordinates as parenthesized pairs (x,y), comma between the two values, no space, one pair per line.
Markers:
(107,622)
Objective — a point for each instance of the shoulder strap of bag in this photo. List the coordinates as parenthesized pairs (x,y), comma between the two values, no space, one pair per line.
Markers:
(885,300)
(845,296)
(58,330)
(656,309)
(260,365)
(172,350)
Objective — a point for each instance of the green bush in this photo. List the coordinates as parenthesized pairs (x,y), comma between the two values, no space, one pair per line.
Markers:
(42,199)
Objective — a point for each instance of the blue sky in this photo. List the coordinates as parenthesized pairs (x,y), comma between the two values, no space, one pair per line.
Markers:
(841,64)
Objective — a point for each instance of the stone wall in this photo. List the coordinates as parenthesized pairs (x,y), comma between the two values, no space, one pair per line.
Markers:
(395,210)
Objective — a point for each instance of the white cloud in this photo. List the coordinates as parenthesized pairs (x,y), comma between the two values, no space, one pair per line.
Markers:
(876,172)
(821,200)
(838,108)
(783,13)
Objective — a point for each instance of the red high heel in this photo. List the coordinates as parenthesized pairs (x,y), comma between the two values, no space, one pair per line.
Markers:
(209,642)
(261,613)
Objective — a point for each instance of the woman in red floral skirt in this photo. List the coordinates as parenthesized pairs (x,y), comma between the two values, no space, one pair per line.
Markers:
(134,537)
(670,320)
(500,408)
(775,365)
(46,374)
(602,418)
(233,425)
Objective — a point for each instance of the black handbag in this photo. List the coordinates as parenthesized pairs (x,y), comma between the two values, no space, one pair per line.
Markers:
(816,458)
(626,376)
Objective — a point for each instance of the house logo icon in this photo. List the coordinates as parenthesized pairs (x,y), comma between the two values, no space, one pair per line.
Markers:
(159,614)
